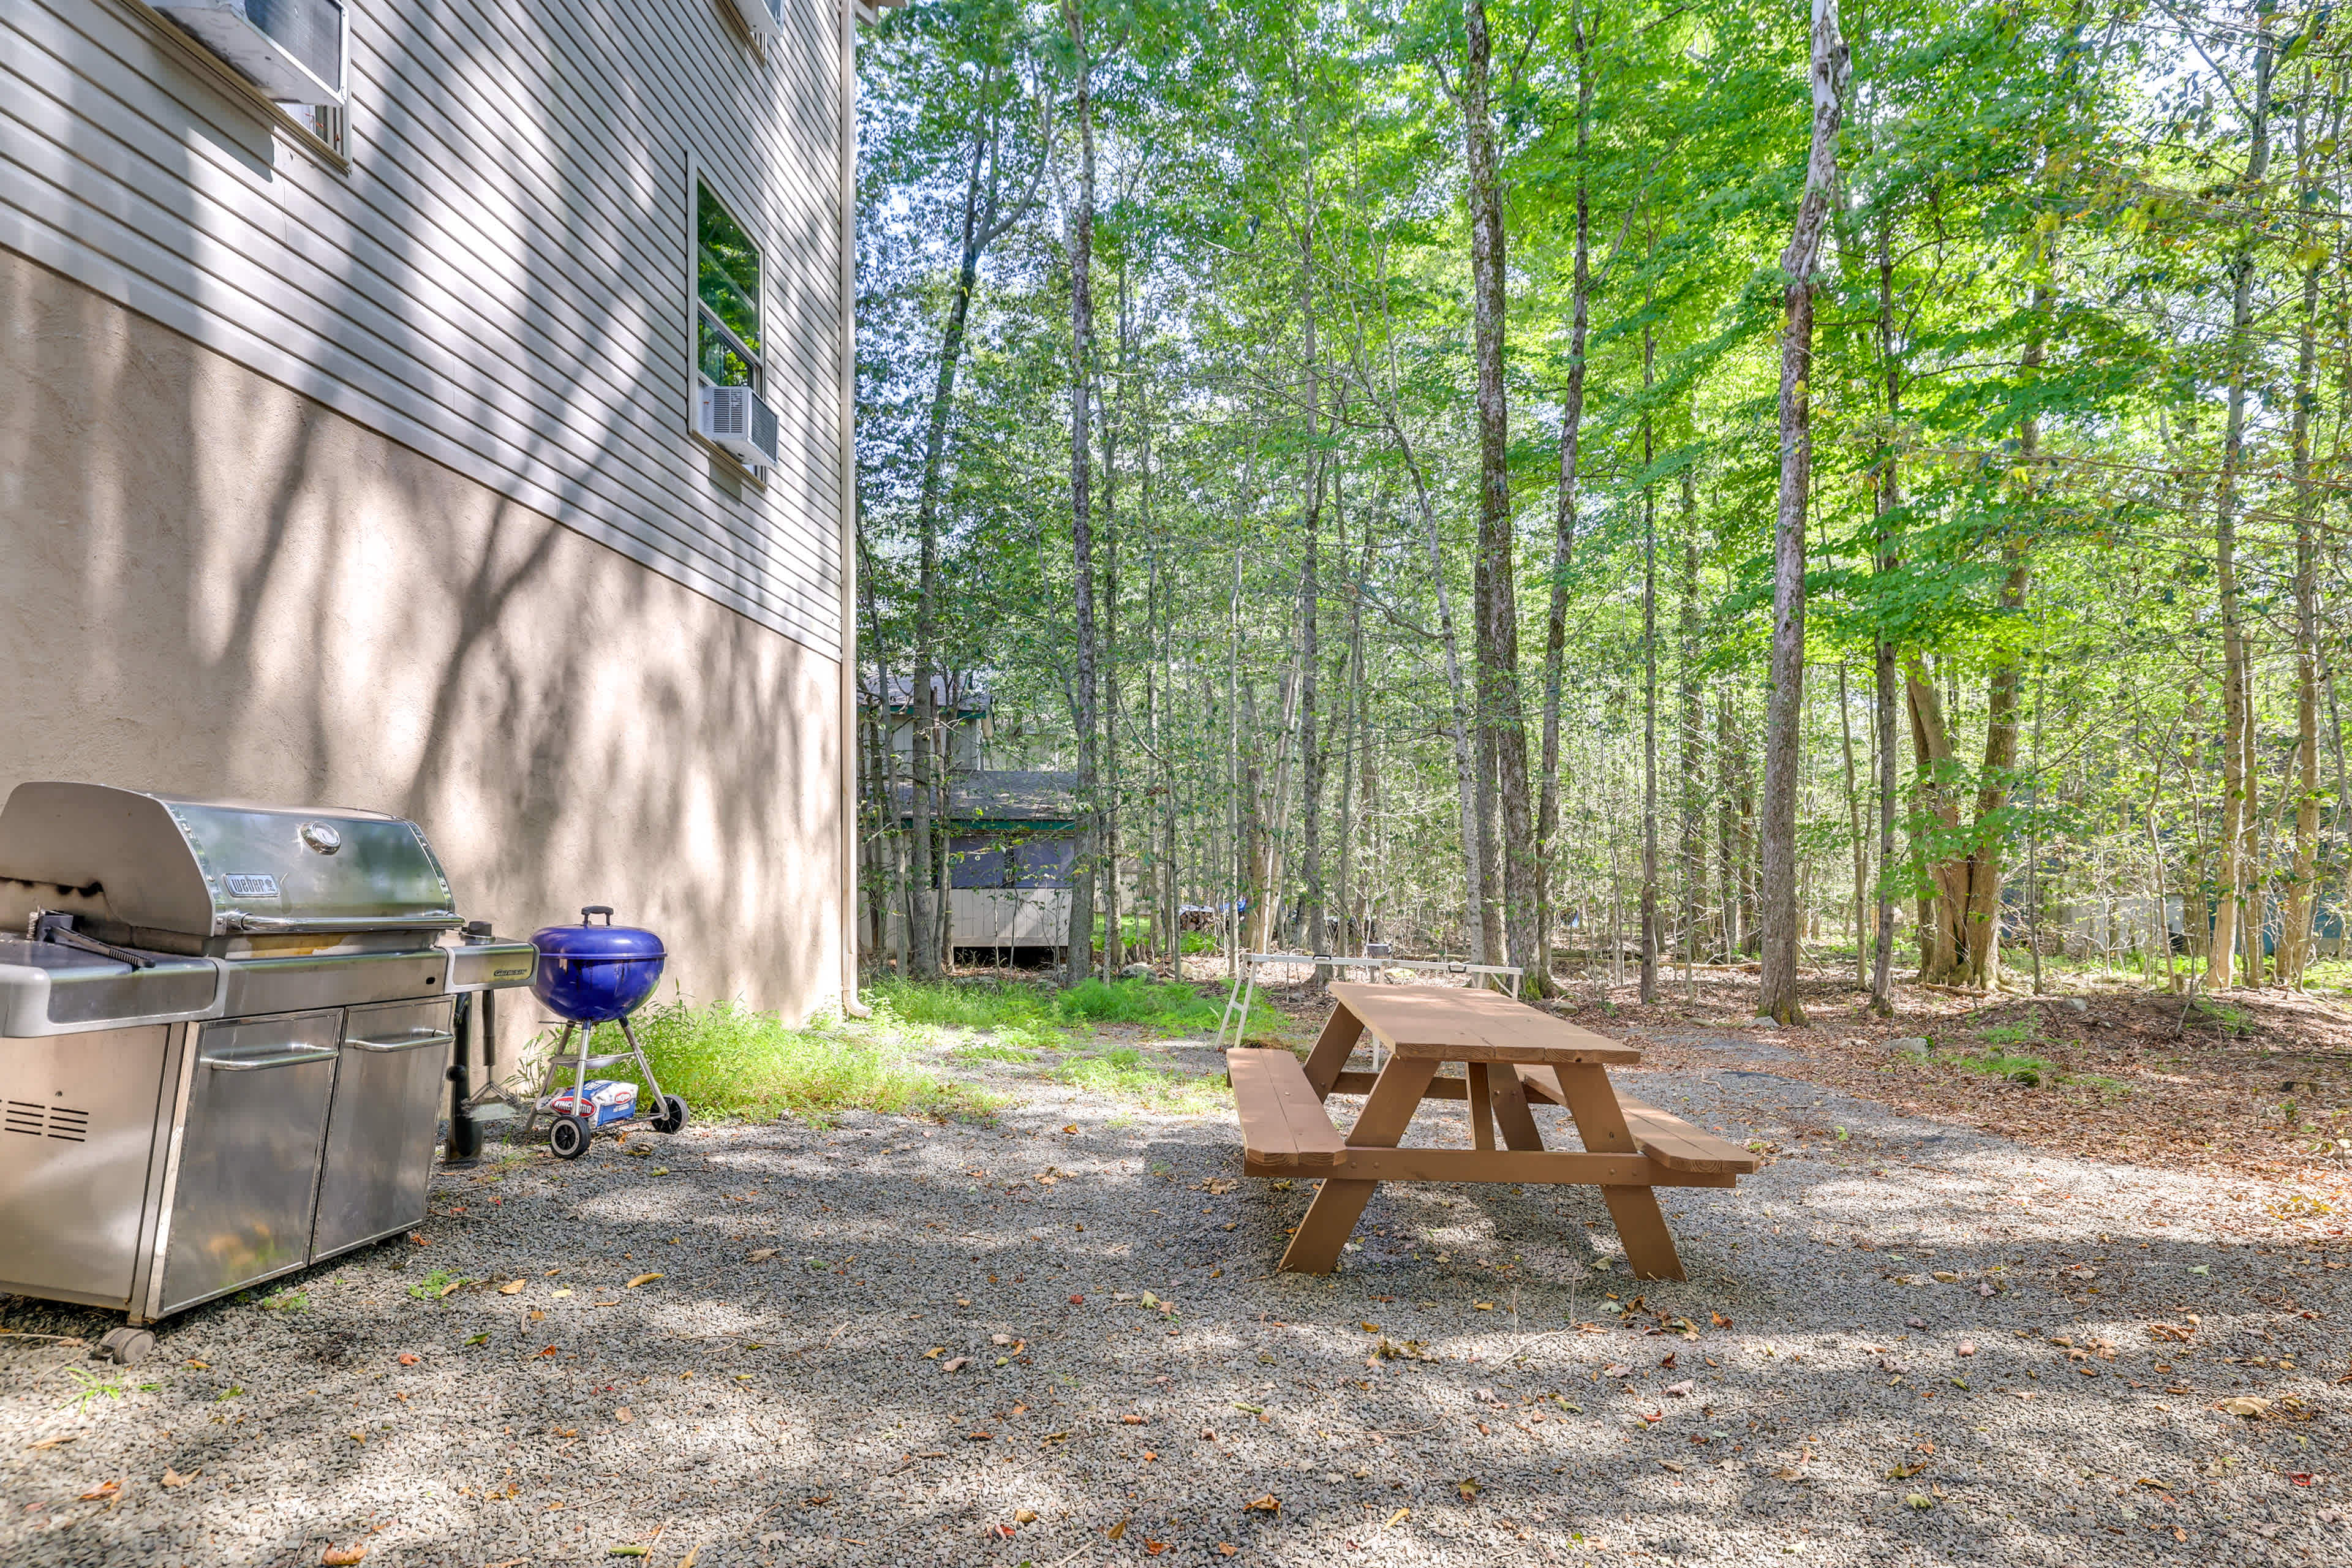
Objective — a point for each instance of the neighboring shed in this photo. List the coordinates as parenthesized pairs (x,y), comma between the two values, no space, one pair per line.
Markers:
(1011,848)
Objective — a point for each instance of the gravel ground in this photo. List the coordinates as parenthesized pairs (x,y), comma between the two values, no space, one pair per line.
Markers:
(893,1342)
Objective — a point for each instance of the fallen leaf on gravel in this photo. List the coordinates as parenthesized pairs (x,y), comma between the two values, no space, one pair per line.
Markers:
(1119,1531)
(549,1350)
(2152,1481)
(409,1359)
(1399,1517)
(511,1286)
(1787,1473)
(1226,1549)
(1966,1347)
(2300,1478)
(1153,1548)
(199,1365)
(763,1255)
(1919,1501)
(2177,1333)
(1719,1321)
(56,1442)
(342,1556)
(979,1437)
(1026,1516)
(1482,1306)
(935,1353)
(1130,1420)
(447,1291)
(1468,1487)
(623,1415)
(103,1491)
(2245,1404)
(1669,1464)
(1680,1390)
(1269,1503)
(173,1477)
(956,1365)
(1667,1360)
(642,1280)
(1904,1472)
(1614,1370)
(1000,1339)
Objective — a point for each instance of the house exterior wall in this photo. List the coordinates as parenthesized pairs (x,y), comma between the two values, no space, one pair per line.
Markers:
(499,274)
(371,481)
(216,586)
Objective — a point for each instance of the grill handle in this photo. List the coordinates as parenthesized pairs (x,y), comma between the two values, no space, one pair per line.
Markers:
(239,920)
(256,1063)
(416,1041)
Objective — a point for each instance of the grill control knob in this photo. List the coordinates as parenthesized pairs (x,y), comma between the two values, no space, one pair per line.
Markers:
(321,836)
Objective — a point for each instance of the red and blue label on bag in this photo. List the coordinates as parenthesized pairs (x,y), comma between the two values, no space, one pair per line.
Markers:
(600,1097)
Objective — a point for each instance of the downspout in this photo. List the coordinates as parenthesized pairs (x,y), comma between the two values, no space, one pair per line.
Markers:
(846,810)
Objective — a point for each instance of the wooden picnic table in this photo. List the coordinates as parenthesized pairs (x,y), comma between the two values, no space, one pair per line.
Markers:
(1512,1055)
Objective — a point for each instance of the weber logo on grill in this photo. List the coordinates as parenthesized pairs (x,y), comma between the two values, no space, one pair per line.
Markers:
(250,886)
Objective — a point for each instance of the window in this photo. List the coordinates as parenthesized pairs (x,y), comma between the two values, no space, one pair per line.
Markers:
(727,342)
(324,120)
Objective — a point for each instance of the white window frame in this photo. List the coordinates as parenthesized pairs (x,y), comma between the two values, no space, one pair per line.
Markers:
(698,179)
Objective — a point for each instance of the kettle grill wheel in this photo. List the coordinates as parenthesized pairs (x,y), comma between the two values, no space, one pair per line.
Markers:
(673,1114)
(568,1136)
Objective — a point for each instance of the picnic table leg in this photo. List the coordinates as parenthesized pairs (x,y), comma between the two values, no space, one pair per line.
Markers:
(1332,1048)
(1649,1246)
(1481,1102)
(1510,1103)
(1332,1216)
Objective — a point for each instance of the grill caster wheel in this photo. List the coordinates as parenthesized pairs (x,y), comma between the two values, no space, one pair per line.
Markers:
(126,1346)
(673,1116)
(568,1137)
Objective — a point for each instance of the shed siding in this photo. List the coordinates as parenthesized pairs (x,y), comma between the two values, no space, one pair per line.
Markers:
(488,143)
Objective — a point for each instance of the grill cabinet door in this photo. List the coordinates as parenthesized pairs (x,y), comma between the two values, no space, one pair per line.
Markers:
(387,1109)
(248,1173)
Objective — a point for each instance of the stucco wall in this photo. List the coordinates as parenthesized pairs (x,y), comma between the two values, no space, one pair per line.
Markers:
(213,584)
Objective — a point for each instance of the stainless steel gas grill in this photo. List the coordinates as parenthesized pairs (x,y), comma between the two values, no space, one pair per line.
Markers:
(223,1036)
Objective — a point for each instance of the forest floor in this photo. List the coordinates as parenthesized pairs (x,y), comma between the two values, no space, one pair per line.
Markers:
(1054,1335)
(2253,1083)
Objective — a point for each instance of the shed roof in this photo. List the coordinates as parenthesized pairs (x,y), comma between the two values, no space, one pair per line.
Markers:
(1007,795)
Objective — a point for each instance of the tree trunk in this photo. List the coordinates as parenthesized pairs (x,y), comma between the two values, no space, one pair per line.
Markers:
(2237,780)
(1114,945)
(1649,973)
(1502,723)
(1079,957)
(1694,761)
(1886,559)
(1571,419)
(1777,871)
(2296,921)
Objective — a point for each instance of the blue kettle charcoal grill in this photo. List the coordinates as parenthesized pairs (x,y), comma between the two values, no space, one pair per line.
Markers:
(590,974)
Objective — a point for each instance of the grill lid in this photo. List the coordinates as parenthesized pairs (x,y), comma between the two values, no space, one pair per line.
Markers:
(157,871)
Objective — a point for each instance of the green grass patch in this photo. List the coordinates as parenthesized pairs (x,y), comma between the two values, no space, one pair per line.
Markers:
(2031,1071)
(1039,1017)
(1122,1073)
(2010,1035)
(994,1005)
(724,1059)
(994,1051)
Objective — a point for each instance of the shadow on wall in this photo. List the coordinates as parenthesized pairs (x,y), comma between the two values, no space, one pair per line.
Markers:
(216,586)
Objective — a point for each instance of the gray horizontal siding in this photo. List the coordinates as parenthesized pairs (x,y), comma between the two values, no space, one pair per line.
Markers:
(500,280)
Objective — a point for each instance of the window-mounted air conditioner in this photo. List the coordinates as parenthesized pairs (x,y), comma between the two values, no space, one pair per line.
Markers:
(736,420)
(764,17)
(297,51)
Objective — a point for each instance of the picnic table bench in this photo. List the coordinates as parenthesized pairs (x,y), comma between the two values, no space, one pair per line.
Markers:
(1512,1056)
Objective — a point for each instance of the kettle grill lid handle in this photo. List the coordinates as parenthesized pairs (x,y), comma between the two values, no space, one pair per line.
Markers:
(587,910)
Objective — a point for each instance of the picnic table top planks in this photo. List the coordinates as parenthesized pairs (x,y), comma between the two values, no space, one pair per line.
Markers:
(1451,1025)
